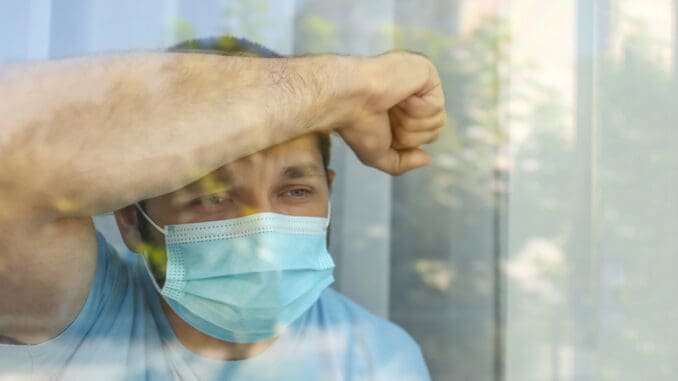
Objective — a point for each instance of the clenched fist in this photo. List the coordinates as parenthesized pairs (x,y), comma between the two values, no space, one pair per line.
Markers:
(402,108)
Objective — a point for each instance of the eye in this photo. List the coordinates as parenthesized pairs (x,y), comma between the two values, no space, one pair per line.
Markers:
(210,201)
(300,192)
(297,193)
(214,199)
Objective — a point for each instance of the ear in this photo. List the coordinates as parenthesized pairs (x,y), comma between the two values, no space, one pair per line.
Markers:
(128,224)
(330,178)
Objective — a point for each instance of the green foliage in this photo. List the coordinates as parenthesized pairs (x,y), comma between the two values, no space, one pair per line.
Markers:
(637,165)
(318,34)
(182,30)
(249,18)
(450,207)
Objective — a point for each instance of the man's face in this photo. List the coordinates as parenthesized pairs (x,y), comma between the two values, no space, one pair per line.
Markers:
(286,179)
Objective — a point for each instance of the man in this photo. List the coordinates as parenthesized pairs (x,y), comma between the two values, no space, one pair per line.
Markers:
(217,166)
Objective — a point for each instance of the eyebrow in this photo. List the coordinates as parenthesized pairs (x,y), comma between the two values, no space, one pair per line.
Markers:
(301,171)
(221,180)
(211,182)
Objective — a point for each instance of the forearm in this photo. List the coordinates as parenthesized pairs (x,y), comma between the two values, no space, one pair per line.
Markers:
(89,135)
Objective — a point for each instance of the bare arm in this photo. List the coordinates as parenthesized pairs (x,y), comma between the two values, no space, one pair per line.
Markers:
(79,137)
(131,127)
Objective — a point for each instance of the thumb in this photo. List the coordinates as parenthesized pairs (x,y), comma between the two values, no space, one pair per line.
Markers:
(398,162)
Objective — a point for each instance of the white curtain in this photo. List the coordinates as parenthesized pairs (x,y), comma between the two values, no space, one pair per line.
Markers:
(591,214)
(541,244)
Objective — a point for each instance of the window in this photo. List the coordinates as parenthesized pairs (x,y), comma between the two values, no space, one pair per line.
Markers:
(540,244)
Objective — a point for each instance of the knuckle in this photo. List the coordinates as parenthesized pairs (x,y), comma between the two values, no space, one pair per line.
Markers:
(444,119)
(406,140)
(433,138)
(410,125)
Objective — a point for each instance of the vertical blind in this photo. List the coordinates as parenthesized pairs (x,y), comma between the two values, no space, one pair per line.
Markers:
(540,244)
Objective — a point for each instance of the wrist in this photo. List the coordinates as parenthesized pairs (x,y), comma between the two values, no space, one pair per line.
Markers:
(341,90)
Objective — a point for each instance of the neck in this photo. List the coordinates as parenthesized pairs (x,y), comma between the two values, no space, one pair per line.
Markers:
(208,346)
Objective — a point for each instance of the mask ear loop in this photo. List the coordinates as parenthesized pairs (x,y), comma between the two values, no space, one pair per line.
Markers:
(147,265)
(329,214)
(158,228)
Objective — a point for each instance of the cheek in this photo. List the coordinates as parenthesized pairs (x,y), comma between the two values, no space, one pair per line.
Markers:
(186,214)
(158,238)
(315,205)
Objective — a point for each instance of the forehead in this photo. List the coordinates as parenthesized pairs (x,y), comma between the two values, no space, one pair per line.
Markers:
(296,158)
(302,148)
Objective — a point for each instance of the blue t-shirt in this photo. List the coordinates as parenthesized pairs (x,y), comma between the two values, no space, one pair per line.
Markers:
(121,333)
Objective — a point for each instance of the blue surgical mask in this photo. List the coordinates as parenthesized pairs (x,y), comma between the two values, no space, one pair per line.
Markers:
(245,279)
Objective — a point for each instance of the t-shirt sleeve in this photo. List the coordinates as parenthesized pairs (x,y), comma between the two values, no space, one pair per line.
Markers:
(101,309)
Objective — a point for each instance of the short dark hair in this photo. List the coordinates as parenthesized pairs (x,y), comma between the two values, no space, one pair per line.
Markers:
(230,46)
(226,45)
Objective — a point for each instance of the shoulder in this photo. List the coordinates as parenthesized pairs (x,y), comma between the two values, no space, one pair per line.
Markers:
(338,308)
(335,308)
(104,328)
(376,344)
(112,283)
(113,269)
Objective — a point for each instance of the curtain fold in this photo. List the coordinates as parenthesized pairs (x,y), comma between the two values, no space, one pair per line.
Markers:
(540,244)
